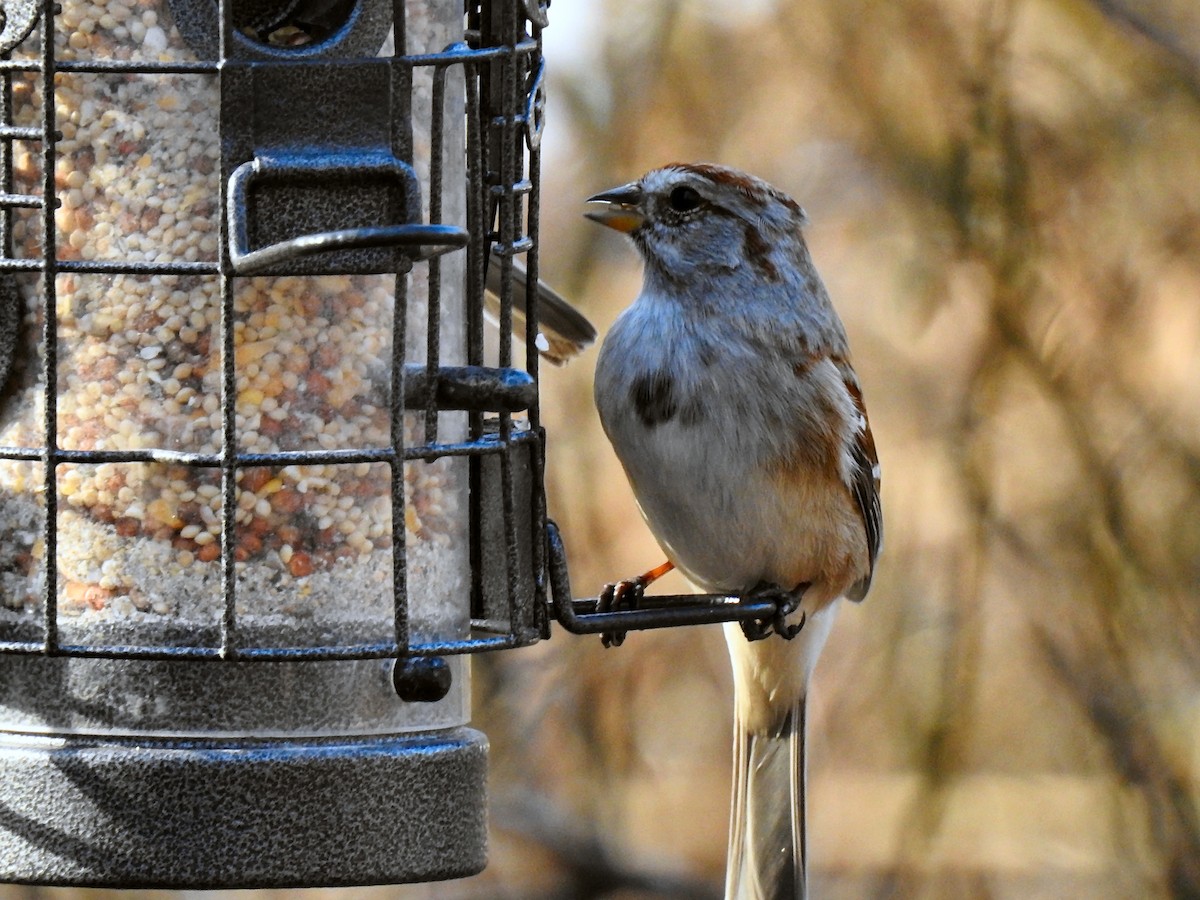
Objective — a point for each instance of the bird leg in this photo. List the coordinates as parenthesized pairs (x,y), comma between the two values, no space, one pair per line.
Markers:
(786,603)
(626,595)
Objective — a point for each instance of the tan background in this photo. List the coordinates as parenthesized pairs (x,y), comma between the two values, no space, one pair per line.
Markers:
(1004,205)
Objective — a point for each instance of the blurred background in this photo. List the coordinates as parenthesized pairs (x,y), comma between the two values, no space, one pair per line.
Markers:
(1005,206)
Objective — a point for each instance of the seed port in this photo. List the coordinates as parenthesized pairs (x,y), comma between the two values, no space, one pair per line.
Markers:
(291,23)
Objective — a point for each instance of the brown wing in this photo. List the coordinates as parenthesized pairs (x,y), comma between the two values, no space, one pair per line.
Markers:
(864,480)
(564,332)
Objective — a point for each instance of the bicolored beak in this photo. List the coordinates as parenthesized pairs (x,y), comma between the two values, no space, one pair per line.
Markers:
(622,213)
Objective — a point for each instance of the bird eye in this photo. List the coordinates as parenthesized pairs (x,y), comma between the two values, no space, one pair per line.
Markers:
(684,199)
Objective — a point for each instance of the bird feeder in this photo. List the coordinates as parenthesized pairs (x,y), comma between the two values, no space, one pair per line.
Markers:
(261,484)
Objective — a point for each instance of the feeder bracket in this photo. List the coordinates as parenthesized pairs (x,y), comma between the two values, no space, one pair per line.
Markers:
(581,616)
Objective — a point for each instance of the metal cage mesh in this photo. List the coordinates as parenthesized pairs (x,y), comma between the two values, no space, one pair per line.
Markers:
(500,65)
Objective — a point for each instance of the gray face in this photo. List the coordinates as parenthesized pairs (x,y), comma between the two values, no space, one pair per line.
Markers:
(708,221)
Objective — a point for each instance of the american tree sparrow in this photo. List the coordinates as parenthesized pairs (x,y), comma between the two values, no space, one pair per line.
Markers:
(727,392)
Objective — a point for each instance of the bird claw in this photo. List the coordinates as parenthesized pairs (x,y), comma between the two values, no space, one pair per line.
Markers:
(616,597)
(786,603)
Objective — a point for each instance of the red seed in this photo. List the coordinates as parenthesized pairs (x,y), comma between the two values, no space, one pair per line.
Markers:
(318,384)
(289,534)
(300,565)
(328,356)
(127,526)
(251,544)
(254,479)
(287,501)
(97,597)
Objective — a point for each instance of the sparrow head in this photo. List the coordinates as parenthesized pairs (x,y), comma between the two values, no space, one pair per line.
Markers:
(703,218)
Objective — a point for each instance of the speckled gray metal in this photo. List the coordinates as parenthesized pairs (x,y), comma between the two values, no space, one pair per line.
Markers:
(228,814)
(309,149)
(503,558)
(203,699)
(11,310)
(218,774)
(19,17)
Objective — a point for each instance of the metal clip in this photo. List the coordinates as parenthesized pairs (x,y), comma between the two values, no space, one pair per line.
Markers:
(535,12)
(535,108)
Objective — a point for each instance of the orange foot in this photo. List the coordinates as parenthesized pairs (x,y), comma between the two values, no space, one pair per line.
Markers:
(627,595)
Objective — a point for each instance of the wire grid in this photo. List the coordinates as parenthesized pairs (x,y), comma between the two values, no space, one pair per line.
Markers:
(501,60)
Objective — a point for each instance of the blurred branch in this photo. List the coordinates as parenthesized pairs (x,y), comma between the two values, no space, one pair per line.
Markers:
(593,869)
(914,158)
(1181,59)
(1102,684)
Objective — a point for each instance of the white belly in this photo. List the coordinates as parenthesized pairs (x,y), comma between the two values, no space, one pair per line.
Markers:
(705,448)
(707,507)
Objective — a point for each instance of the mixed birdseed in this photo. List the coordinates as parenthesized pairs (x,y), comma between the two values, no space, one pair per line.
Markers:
(139,367)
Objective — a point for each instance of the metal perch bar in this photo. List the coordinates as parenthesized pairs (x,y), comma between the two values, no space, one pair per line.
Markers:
(579,616)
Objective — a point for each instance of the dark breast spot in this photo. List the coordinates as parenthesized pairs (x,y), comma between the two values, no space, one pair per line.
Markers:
(653,398)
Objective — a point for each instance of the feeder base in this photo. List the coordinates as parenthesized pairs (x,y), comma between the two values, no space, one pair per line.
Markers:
(136,813)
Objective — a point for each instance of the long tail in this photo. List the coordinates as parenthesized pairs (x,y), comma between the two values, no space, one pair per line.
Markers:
(767,848)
